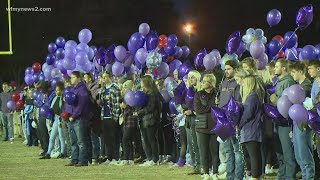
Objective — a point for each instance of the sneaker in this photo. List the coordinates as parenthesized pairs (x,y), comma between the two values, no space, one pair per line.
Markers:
(222,168)
(94,162)
(114,162)
(223,176)
(62,156)
(47,156)
(11,140)
(107,162)
(123,162)
(55,155)
(206,177)
(214,177)
(25,142)
(269,170)
(148,163)
(130,162)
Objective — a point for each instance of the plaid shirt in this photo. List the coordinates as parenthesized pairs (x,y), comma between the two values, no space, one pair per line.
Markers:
(114,101)
(129,120)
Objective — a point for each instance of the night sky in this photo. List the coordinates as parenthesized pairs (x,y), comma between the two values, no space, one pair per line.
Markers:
(113,22)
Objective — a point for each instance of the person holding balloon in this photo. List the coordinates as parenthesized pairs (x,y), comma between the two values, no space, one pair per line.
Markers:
(78,126)
(193,85)
(204,123)
(250,125)
(302,134)
(32,138)
(150,116)
(7,118)
(229,151)
(284,149)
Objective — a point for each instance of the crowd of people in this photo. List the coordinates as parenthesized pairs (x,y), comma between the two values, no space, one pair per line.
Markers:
(101,128)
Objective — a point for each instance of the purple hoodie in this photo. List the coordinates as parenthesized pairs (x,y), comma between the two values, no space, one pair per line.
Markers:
(81,107)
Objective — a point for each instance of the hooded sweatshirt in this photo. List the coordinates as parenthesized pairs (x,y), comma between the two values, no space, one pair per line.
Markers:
(81,107)
(284,83)
(228,89)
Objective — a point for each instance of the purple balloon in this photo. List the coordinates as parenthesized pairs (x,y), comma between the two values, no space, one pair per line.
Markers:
(209,62)
(82,47)
(233,111)
(304,16)
(308,52)
(240,50)
(175,64)
(262,61)
(290,39)
(129,98)
(50,59)
(81,58)
(52,47)
(198,59)
(298,113)
(85,36)
(90,54)
(70,44)
(28,79)
(144,29)
(141,55)
(165,95)
(41,77)
(164,55)
(69,64)
(35,78)
(274,47)
(172,107)
(140,99)
(100,60)
(273,17)
(70,52)
(117,69)
(285,92)
(312,116)
(163,70)
(185,51)
(152,40)
(172,39)
(128,61)
(272,112)
(120,53)
(178,52)
(29,70)
(59,53)
(95,49)
(60,42)
(45,112)
(296,94)
(189,98)
(223,127)
(256,49)
(11,105)
(135,42)
(271,90)
(180,93)
(291,54)
(170,49)
(184,69)
(70,98)
(283,105)
(233,42)
(109,55)
(54,82)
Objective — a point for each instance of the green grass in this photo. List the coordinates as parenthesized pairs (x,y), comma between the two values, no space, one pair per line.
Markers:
(17,161)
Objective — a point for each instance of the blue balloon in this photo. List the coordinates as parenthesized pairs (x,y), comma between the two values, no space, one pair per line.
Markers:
(170,49)
(152,40)
(60,42)
(172,39)
(290,39)
(274,47)
(70,98)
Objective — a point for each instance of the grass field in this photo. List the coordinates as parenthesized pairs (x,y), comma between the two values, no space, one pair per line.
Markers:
(17,161)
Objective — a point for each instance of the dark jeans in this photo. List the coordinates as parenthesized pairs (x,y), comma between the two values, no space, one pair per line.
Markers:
(151,145)
(209,148)
(32,137)
(110,139)
(183,142)
(253,151)
(78,130)
(43,134)
(285,153)
(138,149)
(127,140)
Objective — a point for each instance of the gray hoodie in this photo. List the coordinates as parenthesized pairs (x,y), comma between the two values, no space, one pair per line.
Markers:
(227,89)
(5,97)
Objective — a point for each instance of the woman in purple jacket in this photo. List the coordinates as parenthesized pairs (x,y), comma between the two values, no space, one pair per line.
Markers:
(250,124)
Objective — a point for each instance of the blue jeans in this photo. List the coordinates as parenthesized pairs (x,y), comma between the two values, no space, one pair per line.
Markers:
(285,154)
(234,157)
(79,141)
(95,145)
(7,123)
(57,131)
(303,152)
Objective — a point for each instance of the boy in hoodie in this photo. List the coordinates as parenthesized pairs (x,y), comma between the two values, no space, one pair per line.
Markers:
(78,126)
(284,147)
(7,116)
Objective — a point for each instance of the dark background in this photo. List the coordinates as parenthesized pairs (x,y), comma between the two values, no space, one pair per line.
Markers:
(113,22)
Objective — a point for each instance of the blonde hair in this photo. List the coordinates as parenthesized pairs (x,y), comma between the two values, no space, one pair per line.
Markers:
(197,75)
(128,84)
(241,73)
(249,85)
(212,79)
(251,63)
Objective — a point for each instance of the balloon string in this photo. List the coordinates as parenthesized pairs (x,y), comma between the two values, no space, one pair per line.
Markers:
(287,40)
